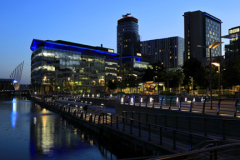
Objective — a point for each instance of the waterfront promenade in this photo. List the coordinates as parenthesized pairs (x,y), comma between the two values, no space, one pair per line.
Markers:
(137,126)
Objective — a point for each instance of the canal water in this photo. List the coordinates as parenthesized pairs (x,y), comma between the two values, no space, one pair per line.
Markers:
(28,131)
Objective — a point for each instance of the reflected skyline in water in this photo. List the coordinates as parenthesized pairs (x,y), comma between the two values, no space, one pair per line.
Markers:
(28,131)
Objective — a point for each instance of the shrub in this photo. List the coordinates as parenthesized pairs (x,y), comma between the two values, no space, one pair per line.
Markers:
(168,93)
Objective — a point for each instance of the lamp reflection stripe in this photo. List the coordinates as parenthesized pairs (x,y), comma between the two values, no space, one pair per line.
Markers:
(14,113)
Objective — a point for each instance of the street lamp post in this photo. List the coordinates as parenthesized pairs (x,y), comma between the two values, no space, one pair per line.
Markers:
(218,65)
(213,45)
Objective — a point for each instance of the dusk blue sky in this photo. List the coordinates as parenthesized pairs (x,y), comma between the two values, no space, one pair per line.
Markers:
(94,22)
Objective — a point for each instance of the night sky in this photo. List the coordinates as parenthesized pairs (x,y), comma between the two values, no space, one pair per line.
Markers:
(94,22)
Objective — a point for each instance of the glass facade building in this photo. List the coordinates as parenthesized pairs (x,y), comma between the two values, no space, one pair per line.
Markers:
(201,28)
(213,34)
(64,66)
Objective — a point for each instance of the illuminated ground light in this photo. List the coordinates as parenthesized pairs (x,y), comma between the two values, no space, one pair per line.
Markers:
(131,100)
(121,100)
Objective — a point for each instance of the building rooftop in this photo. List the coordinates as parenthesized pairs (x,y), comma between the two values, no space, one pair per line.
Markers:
(128,18)
(65,45)
(206,14)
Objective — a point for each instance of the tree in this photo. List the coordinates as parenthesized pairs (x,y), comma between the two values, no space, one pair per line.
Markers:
(231,73)
(112,85)
(52,84)
(176,78)
(148,75)
(192,67)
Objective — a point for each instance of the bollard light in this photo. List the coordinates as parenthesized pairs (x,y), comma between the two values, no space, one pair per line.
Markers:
(121,100)
(185,99)
(141,99)
(193,99)
(177,99)
(131,100)
(151,99)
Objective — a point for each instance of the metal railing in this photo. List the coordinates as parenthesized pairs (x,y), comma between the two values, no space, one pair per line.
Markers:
(228,151)
(224,107)
(146,131)
(214,126)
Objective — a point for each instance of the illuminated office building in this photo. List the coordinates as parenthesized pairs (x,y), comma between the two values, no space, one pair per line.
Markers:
(167,51)
(232,50)
(201,28)
(65,66)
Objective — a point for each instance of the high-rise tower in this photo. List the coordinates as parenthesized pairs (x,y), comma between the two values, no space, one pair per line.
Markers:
(128,39)
(201,28)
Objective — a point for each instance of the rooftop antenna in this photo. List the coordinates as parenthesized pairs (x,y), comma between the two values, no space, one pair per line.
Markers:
(126,15)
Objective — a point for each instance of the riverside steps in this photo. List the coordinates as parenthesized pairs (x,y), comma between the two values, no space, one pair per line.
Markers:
(143,135)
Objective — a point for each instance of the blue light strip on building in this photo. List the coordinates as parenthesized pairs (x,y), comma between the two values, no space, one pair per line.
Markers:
(35,43)
(137,58)
(234,37)
(213,18)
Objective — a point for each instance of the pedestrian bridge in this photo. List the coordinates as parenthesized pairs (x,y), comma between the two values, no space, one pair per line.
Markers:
(16,92)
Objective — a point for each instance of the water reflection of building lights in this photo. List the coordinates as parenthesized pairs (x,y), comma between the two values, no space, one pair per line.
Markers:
(14,112)
(46,136)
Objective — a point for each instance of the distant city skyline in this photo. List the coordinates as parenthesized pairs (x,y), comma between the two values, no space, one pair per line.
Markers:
(94,23)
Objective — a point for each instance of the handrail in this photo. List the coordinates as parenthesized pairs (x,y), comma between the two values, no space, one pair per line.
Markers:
(204,142)
(217,118)
(195,152)
(160,126)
